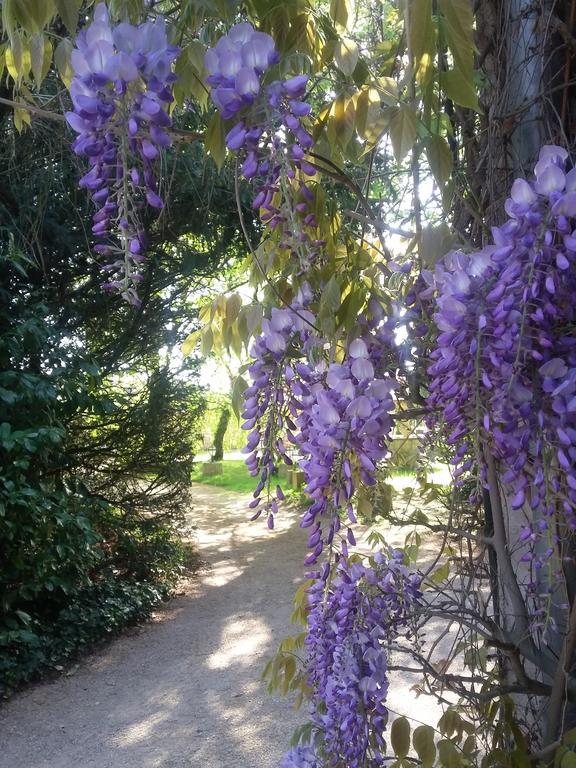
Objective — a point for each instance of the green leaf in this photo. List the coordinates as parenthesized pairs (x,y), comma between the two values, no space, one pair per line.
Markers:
(568,760)
(448,754)
(460,89)
(403,130)
(207,341)
(422,39)
(240,384)
(400,737)
(68,11)
(37,57)
(62,61)
(440,158)
(435,243)
(330,301)
(459,29)
(33,15)
(449,722)
(569,737)
(215,142)
(423,740)
(346,55)
(340,11)
(441,574)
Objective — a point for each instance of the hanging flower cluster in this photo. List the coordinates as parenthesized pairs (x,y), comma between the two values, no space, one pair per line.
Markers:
(345,424)
(269,134)
(301,756)
(121,90)
(337,416)
(269,404)
(351,621)
(504,371)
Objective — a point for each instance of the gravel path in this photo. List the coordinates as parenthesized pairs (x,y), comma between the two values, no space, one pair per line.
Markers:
(183,691)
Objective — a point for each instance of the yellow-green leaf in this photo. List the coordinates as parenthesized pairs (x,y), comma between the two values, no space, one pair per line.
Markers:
(441,574)
(449,723)
(423,740)
(400,737)
(233,305)
(37,57)
(459,29)
(189,343)
(33,15)
(368,111)
(254,318)
(207,341)
(22,118)
(341,121)
(62,61)
(215,142)
(440,158)
(340,11)
(18,58)
(191,74)
(346,55)
(68,11)
(403,130)
(459,88)
(422,38)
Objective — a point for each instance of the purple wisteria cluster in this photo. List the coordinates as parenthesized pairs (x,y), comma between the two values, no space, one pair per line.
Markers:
(344,428)
(504,371)
(351,621)
(269,135)
(301,756)
(336,416)
(269,405)
(121,90)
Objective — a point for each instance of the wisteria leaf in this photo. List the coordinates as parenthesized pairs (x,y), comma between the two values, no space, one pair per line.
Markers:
(441,574)
(340,12)
(400,737)
(68,10)
(215,143)
(459,88)
(422,38)
(189,343)
(240,384)
(423,740)
(440,158)
(403,130)
(62,61)
(346,55)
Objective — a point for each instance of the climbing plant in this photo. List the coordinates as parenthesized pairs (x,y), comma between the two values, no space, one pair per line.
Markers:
(348,135)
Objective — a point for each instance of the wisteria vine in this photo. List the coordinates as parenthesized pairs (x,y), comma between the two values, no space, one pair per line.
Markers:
(330,405)
(269,135)
(120,91)
(503,375)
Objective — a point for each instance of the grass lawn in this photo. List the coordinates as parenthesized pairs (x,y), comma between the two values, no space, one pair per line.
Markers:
(234,477)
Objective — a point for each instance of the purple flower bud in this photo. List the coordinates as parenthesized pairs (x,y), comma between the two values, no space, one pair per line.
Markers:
(295,86)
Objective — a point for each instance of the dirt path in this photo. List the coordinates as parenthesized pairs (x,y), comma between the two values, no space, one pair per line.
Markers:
(185,690)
